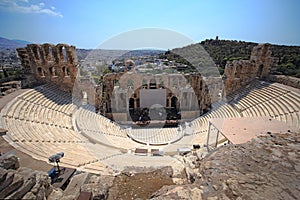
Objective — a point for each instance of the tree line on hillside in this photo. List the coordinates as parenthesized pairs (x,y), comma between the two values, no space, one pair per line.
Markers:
(222,51)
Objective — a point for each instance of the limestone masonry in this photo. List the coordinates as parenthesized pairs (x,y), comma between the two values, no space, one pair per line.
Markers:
(238,73)
(58,64)
(49,63)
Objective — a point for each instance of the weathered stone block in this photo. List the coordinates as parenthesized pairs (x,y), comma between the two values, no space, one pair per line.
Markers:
(7,181)
(17,182)
(239,73)
(9,161)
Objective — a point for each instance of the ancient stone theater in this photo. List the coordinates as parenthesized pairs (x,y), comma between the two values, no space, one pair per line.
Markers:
(133,118)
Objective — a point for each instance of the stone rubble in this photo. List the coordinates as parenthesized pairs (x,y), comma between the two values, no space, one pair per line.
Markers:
(22,183)
(268,167)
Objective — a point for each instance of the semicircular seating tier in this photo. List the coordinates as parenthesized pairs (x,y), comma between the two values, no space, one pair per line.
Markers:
(39,123)
(257,99)
(43,121)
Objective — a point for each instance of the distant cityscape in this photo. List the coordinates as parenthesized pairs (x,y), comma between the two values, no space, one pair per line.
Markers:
(98,61)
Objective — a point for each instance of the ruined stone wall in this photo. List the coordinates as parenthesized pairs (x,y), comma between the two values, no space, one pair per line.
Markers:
(190,90)
(286,80)
(21,182)
(84,92)
(240,72)
(48,63)
(259,169)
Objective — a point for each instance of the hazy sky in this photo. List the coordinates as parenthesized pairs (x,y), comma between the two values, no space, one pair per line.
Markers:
(89,23)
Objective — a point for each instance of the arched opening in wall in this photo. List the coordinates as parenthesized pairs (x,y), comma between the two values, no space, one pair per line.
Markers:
(152,84)
(50,54)
(52,71)
(108,105)
(66,71)
(144,84)
(36,52)
(131,103)
(168,102)
(155,106)
(64,52)
(84,98)
(174,101)
(260,70)
(55,72)
(40,72)
(174,112)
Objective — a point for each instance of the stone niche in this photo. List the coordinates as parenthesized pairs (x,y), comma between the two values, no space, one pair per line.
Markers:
(48,63)
(239,73)
(84,92)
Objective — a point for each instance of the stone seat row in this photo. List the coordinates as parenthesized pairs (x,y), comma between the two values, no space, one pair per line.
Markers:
(76,154)
(94,125)
(258,99)
(253,85)
(28,132)
(91,121)
(284,106)
(224,110)
(291,119)
(55,102)
(101,130)
(260,94)
(26,110)
(256,86)
(154,135)
(44,102)
(35,141)
(51,91)
(25,131)
(26,141)
(219,110)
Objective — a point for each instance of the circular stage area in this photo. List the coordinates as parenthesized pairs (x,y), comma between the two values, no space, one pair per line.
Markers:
(155,136)
(100,129)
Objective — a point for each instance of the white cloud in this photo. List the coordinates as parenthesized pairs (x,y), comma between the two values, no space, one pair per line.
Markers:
(15,6)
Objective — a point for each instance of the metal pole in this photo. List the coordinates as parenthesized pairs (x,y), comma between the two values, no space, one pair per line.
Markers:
(217,138)
(58,169)
(208,133)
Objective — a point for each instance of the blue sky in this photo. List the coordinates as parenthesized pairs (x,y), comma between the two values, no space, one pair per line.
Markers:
(86,24)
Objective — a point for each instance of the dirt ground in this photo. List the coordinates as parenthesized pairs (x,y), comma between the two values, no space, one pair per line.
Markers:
(138,186)
(24,159)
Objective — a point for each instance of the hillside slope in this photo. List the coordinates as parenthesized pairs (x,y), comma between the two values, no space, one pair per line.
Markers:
(11,44)
(221,51)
